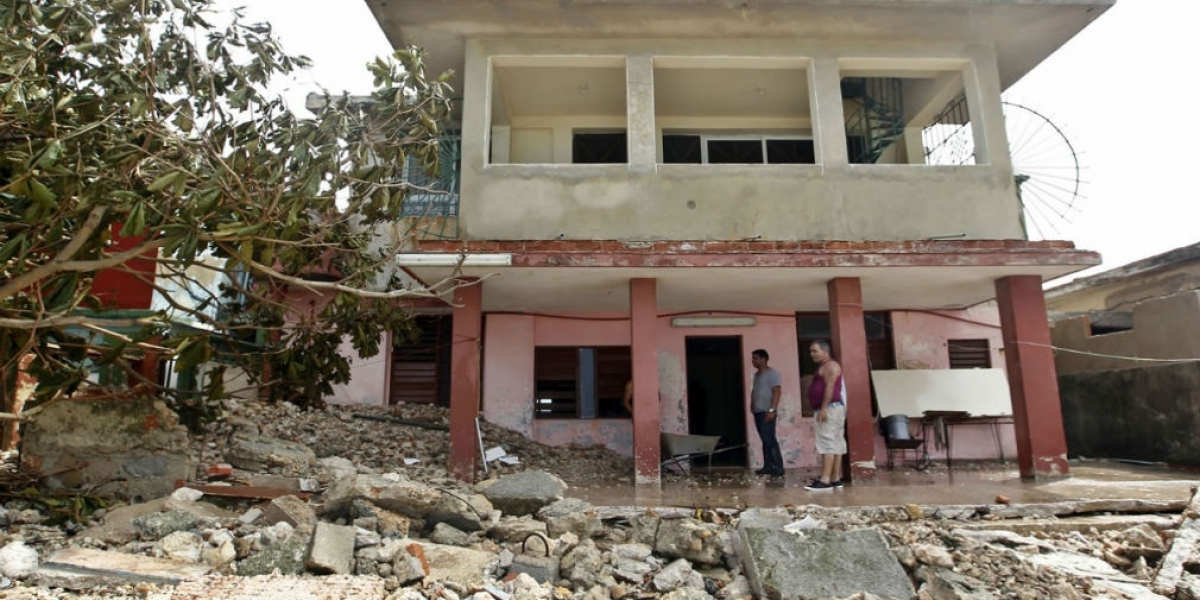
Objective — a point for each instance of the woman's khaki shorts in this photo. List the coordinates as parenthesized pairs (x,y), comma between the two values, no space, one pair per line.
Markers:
(831,434)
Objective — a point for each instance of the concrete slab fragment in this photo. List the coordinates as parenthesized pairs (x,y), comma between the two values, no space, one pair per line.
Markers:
(84,568)
(821,563)
(277,587)
(1097,522)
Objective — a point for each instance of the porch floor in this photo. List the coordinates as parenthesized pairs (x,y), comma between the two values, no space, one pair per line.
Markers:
(966,484)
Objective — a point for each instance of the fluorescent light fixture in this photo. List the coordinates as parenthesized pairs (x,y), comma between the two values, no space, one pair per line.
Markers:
(713,321)
(443,259)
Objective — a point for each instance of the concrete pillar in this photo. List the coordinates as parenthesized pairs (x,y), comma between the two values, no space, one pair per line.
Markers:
(639,94)
(828,118)
(643,321)
(464,382)
(850,349)
(981,84)
(1032,381)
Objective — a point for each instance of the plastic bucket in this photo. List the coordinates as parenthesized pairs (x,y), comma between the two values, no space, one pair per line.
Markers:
(895,427)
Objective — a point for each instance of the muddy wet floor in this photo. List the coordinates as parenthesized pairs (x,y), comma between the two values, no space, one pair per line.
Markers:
(738,488)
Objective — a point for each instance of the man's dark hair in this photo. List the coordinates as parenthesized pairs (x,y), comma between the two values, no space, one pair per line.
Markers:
(761,354)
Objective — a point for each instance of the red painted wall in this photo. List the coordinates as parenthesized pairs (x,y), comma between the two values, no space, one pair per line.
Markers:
(117,287)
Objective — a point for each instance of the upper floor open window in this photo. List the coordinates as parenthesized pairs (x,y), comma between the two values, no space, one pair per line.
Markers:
(558,110)
(733,110)
(907,112)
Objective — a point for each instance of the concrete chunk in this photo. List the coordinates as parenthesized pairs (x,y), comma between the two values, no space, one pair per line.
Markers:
(332,549)
(84,568)
(821,564)
(291,510)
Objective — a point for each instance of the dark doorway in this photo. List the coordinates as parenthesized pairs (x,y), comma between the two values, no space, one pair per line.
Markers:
(421,362)
(716,394)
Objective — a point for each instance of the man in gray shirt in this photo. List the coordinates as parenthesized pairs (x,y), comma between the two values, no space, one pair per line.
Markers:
(764,402)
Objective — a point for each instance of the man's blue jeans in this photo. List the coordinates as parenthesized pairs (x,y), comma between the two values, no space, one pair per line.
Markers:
(772,456)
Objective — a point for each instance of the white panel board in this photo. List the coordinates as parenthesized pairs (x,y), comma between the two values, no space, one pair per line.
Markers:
(911,392)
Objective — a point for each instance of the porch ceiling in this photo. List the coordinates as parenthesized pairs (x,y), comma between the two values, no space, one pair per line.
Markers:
(936,275)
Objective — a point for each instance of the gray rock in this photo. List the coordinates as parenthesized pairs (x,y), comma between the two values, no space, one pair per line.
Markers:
(407,568)
(291,510)
(331,550)
(286,555)
(944,584)
(515,529)
(632,551)
(261,453)
(183,545)
(156,526)
(365,538)
(691,593)
(644,529)
(466,513)
(18,560)
(525,493)
(444,533)
(1142,536)
(584,566)
(410,498)
(738,589)
(571,515)
(674,576)
(931,554)
(690,538)
(821,563)
(135,448)
(387,523)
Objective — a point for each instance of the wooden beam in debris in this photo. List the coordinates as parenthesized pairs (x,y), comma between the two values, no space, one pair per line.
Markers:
(248,492)
(1186,537)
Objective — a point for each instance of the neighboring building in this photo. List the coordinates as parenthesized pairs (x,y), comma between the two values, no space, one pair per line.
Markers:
(650,190)
(1129,359)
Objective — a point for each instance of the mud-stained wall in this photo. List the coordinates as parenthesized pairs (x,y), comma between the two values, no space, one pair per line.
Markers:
(1163,328)
(508,379)
(921,337)
(1144,413)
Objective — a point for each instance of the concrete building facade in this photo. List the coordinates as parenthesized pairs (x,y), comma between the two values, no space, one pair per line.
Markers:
(651,190)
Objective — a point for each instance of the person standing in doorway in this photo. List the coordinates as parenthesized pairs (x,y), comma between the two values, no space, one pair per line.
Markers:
(827,396)
(764,404)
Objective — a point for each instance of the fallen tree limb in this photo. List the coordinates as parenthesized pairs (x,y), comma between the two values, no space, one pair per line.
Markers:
(1186,537)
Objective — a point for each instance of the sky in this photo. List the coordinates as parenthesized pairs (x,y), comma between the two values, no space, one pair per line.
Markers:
(1125,92)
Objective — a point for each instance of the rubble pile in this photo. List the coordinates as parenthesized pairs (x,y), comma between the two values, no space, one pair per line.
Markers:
(333,511)
(381,438)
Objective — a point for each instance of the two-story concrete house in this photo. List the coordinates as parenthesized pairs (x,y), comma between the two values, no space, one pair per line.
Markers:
(651,190)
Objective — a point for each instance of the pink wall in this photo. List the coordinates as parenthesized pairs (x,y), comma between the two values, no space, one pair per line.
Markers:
(508,378)
(920,339)
(920,336)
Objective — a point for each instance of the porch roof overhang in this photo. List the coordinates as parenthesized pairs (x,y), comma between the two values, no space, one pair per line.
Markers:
(593,276)
(1024,32)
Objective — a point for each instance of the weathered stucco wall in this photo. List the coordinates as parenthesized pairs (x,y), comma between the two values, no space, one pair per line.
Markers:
(831,200)
(921,337)
(1144,413)
(508,379)
(1162,328)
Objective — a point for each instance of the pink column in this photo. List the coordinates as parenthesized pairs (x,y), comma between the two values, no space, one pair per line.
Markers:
(643,313)
(1032,380)
(850,349)
(464,382)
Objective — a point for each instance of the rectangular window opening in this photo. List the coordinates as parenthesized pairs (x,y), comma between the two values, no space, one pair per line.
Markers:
(580,382)
(969,354)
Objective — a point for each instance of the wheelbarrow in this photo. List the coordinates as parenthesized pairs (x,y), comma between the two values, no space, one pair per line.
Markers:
(678,448)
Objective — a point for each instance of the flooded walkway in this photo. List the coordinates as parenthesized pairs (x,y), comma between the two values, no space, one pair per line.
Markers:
(966,484)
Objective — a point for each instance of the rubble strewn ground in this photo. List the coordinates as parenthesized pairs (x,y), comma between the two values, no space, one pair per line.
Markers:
(361,506)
